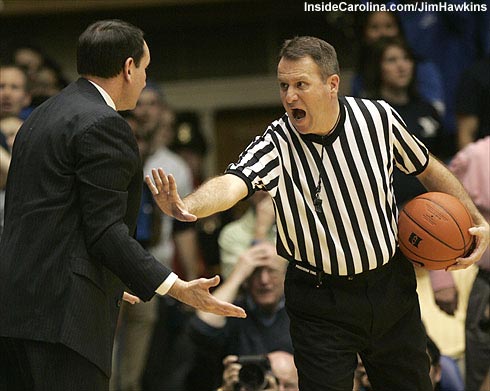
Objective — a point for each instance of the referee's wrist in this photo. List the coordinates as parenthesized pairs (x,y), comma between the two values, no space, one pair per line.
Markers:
(255,242)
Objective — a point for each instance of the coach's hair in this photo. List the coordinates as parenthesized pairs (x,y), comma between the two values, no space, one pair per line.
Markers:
(320,51)
(104,47)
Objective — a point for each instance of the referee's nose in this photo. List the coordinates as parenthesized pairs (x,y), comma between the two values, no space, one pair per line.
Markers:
(291,95)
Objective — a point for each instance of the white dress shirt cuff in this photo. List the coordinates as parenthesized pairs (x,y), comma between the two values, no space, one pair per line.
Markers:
(167,284)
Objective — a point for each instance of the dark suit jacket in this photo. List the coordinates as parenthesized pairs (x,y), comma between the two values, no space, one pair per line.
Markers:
(67,251)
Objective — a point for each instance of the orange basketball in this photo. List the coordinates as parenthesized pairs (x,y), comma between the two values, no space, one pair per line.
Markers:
(433,230)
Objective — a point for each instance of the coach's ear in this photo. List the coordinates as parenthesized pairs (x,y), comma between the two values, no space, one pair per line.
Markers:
(128,66)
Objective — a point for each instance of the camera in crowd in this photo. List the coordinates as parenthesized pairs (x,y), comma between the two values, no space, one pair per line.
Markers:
(253,373)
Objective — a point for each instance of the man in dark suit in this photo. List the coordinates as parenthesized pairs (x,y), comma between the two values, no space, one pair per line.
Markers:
(67,252)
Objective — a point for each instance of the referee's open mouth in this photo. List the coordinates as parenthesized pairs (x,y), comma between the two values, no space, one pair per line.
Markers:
(298,114)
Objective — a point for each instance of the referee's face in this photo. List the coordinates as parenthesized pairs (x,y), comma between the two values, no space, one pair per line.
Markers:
(309,99)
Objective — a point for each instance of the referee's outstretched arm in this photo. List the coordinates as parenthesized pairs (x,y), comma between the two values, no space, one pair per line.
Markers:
(215,195)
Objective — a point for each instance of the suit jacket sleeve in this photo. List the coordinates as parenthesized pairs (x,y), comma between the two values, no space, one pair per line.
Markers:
(108,163)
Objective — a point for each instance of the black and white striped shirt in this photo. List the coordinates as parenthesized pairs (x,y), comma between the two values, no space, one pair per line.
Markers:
(356,230)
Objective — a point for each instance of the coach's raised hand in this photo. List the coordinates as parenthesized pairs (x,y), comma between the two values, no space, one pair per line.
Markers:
(196,294)
(164,190)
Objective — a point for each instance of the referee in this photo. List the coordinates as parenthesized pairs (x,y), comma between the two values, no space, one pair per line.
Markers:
(328,164)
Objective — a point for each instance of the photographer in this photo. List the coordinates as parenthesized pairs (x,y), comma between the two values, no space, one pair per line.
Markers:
(256,281)
(278,373)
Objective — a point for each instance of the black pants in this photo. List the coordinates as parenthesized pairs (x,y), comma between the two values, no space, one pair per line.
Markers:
(375,314)
(27,365)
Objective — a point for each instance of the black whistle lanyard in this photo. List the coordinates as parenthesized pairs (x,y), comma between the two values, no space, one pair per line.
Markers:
(317,202)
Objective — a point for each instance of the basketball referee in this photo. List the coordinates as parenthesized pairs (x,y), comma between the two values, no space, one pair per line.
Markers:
(328,165)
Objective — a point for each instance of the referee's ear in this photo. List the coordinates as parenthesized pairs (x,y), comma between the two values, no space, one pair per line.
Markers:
(333,82)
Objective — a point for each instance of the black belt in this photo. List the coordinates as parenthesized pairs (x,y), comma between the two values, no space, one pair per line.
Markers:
(320,277)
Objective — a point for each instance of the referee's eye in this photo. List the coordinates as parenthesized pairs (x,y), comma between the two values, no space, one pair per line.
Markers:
(283,86)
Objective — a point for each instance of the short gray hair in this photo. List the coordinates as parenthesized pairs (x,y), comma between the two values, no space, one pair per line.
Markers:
(322,53)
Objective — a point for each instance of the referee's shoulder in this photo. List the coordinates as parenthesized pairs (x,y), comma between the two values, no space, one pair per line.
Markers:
(349,100)
(379,104)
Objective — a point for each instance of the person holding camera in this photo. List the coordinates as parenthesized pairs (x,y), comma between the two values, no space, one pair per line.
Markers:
(272,372)
(256,281)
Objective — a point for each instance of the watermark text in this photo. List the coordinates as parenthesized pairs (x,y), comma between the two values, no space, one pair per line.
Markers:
(419,6)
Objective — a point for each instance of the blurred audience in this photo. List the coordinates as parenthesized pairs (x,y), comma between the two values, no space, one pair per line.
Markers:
(14,90)
(9,126)
(255,226)
(378,24)
(48,81)
(391,76)
(473,103)
(443,372)
(255,282)
(4,166)
(435,364)
(274,371)
(470,165)
(190,144)
(30,58)
(452,41)
(150,327)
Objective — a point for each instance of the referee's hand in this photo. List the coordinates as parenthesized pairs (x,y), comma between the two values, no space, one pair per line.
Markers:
(164,190)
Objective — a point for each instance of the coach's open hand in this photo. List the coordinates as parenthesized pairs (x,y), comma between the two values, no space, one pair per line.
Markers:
(196,294)
(164,190)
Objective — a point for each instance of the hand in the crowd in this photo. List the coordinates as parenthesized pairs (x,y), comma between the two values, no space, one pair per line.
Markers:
(447,300)
(230,373)
(262,254)
(482,238)
(231,376)
(131,299)
(265,218)
(164,190)
(196,294)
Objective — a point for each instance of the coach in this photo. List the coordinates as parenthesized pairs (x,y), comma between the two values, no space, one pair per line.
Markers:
(72,199)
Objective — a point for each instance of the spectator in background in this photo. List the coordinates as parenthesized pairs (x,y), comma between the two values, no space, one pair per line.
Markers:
(149,329)
(374,25)
(48,81)
(452,41)
(4,166)
(473,103)
(9,126)
(470,165)
(254,277)
(157,118)
(361,381)
(390,75)
(256,225)
(282,375)
(190,144)
(14,91)
(435,365)
(30,58)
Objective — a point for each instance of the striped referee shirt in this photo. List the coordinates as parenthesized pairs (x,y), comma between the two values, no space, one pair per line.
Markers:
(355,229)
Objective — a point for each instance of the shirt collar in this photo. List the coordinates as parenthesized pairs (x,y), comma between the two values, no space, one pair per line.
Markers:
(105,95)
(267,319)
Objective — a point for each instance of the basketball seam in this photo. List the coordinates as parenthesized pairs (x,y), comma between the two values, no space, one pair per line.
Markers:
(439,240)
(452,217)
(400,243)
